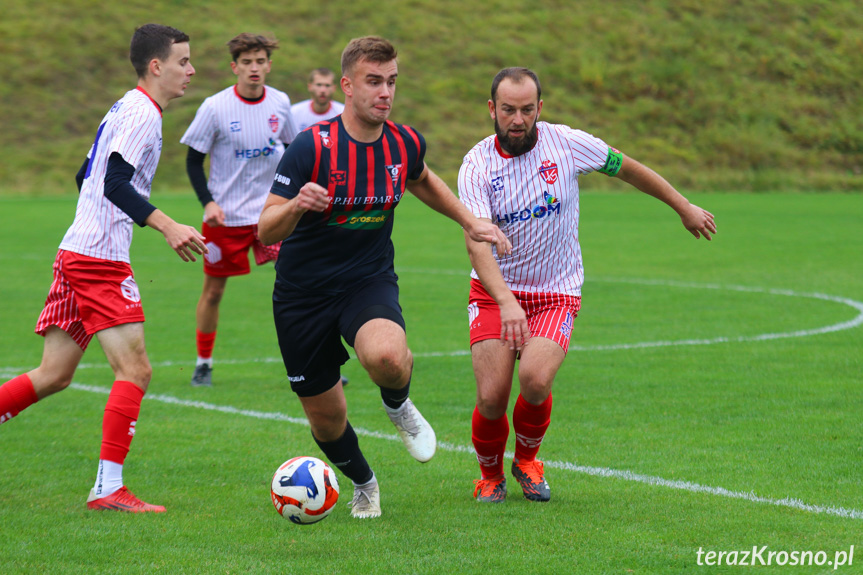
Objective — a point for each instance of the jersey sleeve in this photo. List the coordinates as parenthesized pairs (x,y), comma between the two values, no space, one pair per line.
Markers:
(474,188)
(289,130)
(135,135)
(416,151)
(201,133)
(295,167)
(592,154)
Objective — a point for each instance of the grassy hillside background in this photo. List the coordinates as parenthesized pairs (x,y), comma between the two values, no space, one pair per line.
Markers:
(739,95)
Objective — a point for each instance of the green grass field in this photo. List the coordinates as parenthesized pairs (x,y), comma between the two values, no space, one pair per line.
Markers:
(711,400)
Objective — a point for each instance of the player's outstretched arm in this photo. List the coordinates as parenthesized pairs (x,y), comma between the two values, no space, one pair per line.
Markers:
(183,239)
(433,192)
(514,330)
(698,221)
(280,215)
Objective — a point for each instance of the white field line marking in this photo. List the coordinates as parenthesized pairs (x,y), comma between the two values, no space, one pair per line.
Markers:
(565,465)
(850,324)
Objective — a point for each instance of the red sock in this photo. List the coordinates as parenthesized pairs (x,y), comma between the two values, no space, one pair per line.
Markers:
(16,395)
(118,425)
(489,440)
(205,342)
(529,423)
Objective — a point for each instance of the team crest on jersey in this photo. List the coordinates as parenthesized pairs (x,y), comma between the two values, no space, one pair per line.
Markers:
(274,123)
(235,126)
(548,171)
(395,171)
(338,177)
(497,184)
(325,139)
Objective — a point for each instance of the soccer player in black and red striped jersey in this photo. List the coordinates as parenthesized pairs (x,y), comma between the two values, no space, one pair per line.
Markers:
(332,205)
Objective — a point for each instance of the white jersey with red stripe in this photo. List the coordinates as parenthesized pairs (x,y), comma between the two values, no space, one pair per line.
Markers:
(245,140)
(132,128)
(533,198)
(305,115)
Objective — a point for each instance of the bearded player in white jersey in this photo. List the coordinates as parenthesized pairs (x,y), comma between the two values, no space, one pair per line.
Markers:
(522,306)
(245,128)
(321,106)
(94,291)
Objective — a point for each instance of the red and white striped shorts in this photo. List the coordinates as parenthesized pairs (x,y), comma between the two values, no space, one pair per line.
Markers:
(89,295)
(549,315)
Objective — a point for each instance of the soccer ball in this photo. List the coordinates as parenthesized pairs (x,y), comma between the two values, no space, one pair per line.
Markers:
(304,489)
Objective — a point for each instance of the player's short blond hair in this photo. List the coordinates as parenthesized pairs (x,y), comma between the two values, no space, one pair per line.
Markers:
(369,48)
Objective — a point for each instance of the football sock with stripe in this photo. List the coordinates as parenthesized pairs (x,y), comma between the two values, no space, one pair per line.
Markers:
(16,395)
(530,423)
(118,424)
(489,441)
(205,342)
(395,398)
(345,454)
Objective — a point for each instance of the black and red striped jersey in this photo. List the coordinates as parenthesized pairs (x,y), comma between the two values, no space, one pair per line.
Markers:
(350,240)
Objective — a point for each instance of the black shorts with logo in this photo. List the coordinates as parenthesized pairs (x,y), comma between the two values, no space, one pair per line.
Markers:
(310,328)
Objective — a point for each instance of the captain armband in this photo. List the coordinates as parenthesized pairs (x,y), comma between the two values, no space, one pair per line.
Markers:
(612,162)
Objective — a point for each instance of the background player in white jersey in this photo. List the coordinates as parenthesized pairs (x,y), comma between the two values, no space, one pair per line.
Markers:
(321,106)
(245,128)
(522,306)
(94,290)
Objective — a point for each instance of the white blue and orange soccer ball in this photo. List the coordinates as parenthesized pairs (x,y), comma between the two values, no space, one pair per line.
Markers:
(304,490)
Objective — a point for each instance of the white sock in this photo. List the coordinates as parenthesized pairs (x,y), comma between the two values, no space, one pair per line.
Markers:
(204,361)
(109,478)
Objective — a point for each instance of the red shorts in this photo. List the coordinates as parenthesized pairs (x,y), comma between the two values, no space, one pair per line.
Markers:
(229,250)
(549,315)
(89,295)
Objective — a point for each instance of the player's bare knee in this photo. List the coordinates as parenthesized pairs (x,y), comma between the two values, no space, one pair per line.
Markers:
(213,296)
(492,408)
(389,366)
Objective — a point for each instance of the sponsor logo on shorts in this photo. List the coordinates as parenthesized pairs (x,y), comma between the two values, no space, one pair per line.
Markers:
(548,209)
(214,253)
(296,378)
(566,326)
(369,220)
(472,313)
(129,289)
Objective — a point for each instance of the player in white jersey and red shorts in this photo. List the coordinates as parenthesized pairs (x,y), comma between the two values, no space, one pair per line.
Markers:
(522,305)
(245,128)
(321,105)
(94,290)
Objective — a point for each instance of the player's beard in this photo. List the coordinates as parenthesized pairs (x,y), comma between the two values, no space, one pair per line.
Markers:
(516,146)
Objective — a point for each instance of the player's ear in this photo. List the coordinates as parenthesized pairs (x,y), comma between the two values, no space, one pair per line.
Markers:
(345,83)
(538,109)
(491,109)
(155,67)
(234,68)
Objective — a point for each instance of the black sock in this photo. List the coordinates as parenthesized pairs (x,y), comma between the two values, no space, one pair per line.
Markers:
(394,398)
(345,454)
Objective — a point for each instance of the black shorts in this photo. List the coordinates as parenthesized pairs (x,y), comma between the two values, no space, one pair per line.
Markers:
(310,328)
